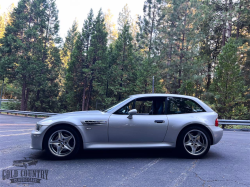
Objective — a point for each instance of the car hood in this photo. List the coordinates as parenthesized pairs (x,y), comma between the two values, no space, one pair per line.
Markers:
(82,113)
(77,115)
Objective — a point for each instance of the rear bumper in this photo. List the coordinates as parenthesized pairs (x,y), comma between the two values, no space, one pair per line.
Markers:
(36,140)
(217,133)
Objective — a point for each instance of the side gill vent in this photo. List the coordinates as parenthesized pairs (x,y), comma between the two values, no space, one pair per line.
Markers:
(94,122)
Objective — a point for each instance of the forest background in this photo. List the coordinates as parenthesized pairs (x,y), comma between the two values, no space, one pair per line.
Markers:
(192,47)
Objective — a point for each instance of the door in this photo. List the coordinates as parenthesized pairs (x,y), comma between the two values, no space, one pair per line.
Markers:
(148,125)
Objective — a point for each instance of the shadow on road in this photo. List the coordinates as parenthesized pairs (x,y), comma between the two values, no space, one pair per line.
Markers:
(126,153)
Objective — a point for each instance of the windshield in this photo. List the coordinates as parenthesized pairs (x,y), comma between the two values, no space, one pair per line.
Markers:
(124,101)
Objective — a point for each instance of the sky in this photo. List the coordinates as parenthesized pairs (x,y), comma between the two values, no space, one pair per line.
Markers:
(69,10)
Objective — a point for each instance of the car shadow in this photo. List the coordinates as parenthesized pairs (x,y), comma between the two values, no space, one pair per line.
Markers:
(128,153)
(170,153)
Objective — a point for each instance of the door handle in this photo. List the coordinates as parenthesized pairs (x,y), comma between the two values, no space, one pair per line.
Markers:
(159,121)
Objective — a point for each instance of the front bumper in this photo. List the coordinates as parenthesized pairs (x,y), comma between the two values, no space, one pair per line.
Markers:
(36,140)
(217,133)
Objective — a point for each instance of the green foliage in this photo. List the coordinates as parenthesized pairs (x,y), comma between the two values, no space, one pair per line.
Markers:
(27,54)
(228,85)
(197,48)
(13,105)
(88,64)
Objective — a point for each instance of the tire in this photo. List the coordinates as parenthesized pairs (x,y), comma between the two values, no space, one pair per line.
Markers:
(62,142)
(194,142)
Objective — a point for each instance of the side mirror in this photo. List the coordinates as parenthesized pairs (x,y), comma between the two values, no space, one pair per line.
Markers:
(131,113)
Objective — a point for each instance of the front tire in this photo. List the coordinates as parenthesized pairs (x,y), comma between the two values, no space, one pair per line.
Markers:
(62,142)
(194,142)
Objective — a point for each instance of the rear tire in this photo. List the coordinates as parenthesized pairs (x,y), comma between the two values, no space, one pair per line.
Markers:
(62,142)
(194,142)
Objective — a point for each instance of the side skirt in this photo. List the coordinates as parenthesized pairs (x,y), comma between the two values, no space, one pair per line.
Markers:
(127,145)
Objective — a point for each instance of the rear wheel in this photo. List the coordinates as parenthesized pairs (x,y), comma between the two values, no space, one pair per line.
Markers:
(62,142)
(194,142)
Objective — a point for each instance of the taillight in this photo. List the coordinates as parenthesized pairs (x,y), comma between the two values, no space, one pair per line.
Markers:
(216,123)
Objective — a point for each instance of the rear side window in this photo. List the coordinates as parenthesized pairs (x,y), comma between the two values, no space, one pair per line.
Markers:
(178,105)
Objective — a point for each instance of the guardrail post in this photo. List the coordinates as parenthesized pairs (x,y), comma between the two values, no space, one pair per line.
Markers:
(35,116)
(223,126)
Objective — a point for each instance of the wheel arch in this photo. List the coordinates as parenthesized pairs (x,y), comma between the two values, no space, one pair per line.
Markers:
(199,125)
(63,124)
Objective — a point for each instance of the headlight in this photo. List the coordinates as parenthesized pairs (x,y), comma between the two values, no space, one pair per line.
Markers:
(42,123)
(38,127)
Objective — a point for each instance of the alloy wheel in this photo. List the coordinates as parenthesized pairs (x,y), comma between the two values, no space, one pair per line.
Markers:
(61,143)
(195,142)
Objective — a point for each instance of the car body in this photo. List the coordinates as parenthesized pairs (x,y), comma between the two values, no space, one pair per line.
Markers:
(140,121)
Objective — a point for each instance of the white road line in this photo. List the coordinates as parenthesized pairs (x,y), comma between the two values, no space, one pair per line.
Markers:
(14,134)
(6,167)
(18,124)
(135,174)
(238,132)
(17,130)
(179,180)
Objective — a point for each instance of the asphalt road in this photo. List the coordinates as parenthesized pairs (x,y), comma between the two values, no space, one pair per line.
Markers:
(226,164)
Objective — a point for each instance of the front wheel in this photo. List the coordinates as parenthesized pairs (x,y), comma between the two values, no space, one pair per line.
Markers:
(194,142)
(62,142)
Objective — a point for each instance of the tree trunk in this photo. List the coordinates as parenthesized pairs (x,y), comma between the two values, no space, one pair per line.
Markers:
(238,24)
(224,27)
(230,19)
(224,36)
(209,66)
(24,101)
(84,94)
(37,98)
(89,94)
(1,93)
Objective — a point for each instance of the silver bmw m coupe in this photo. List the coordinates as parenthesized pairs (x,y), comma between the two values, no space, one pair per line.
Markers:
(140,121)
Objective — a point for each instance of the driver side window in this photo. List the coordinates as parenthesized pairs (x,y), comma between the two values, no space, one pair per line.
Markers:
(150,106)
(124,110)
(144,106)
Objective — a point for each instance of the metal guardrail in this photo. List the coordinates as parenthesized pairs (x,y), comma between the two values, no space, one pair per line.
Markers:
(9,100)
(26,113)
(234,122)
(224,122)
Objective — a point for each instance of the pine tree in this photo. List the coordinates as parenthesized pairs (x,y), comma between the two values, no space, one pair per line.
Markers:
(87,33)
(148,46)
(228,85)
(49,28)
(87,69)
(97,58)
(25,47)
(74,76)
(179,37)
(69,43)
(125,65)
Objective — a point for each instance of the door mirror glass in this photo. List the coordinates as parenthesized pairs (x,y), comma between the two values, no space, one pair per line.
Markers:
(131,113)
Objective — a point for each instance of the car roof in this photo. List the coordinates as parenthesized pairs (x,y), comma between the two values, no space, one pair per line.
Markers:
(160,95)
